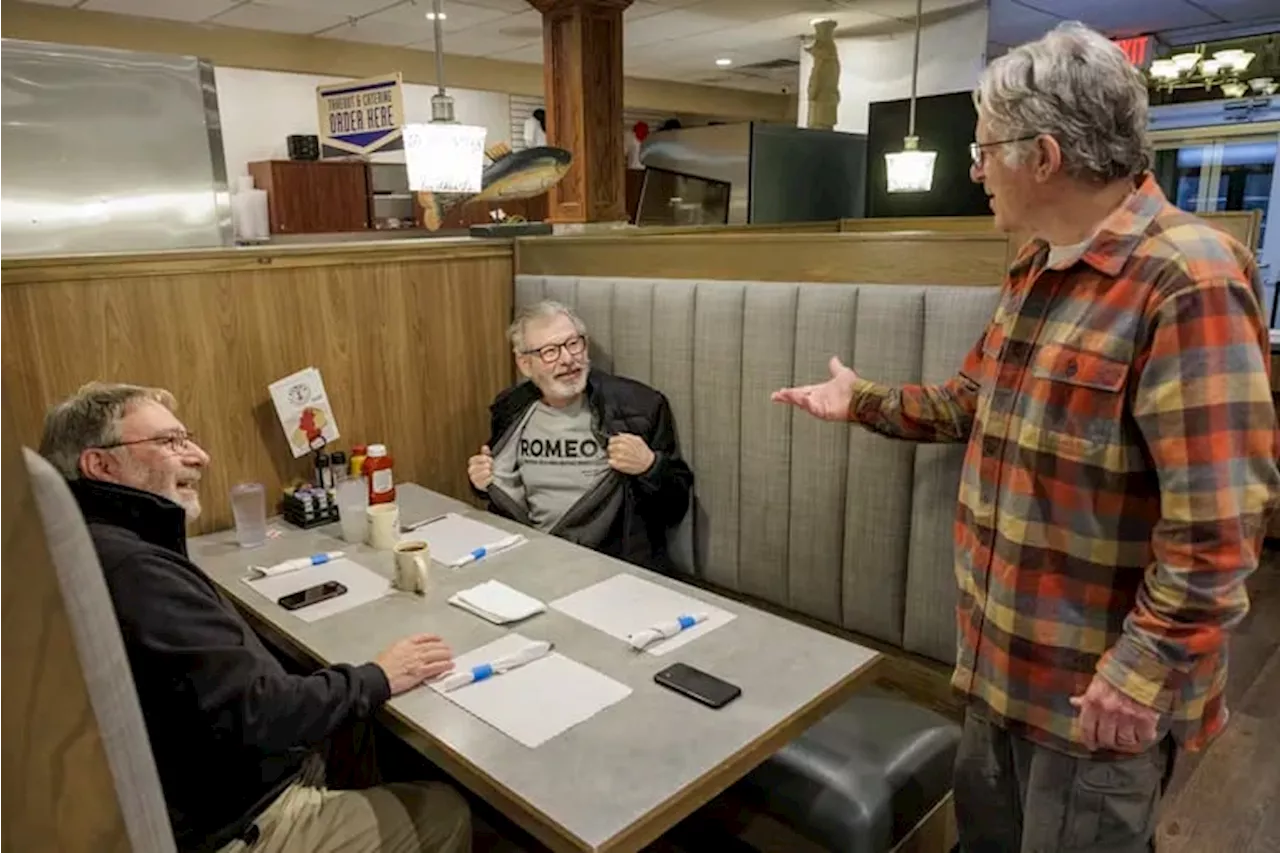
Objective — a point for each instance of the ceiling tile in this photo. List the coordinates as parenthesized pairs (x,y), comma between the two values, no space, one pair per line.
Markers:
(507,34)
(641,9)
(512,6)
(457,16)
(664,26)
(375,32)
(1242,10)
(282,19)
(528,53)
(1130,17)
(733,12)
(340,8)
(189,10)
(906,9)
(1011,23)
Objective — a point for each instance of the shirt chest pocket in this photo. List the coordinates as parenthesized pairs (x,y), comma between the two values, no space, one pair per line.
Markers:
(1075,404)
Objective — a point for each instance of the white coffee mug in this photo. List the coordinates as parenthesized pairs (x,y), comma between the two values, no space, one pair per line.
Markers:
(384,526)
(413,562)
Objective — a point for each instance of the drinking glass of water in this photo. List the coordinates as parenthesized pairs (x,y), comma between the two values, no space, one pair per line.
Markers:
(249,506)
(352,498)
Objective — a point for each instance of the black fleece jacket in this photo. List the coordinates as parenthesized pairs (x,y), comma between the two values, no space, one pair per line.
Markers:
(229,727)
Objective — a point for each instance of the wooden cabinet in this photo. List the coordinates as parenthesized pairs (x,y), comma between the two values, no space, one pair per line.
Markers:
(314,196)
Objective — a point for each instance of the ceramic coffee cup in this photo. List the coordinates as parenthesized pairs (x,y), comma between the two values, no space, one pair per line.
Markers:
(413,563)
(384,526)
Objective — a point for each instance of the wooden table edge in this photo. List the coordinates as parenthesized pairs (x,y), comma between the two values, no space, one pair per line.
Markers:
(645,830)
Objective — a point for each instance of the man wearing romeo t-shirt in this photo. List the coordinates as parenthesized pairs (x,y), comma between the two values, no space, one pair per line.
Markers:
(580,453)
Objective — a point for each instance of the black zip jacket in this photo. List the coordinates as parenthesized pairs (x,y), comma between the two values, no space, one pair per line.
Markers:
(229,727)
(624,517)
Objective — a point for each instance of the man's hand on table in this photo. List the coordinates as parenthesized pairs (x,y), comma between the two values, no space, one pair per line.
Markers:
(1111,720)
(480,469)
(414,660)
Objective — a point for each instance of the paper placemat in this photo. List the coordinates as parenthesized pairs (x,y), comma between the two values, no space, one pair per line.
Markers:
(535,702)
(625,604)
(454,538)
(362,586)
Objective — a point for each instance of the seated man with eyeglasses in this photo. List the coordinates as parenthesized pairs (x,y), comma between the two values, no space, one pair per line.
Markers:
(239,742)
(580,453)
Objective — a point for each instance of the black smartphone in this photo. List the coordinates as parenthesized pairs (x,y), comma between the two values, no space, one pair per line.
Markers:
(698,685)
(311,595)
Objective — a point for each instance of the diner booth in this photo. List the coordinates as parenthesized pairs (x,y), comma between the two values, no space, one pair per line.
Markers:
(828,550)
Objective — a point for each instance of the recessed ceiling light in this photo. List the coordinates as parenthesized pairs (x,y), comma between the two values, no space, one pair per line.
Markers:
(431,16)
(724,61)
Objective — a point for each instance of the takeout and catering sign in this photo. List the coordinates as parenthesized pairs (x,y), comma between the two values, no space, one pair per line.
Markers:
(361,116)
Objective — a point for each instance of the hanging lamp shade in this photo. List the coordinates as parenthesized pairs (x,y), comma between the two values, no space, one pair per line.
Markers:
(911,170)
(443,156)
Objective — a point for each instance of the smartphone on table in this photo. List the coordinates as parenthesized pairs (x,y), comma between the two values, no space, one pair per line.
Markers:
(698,685)
(311,595)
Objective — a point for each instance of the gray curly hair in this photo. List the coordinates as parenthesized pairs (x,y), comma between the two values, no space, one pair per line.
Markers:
(1076,86)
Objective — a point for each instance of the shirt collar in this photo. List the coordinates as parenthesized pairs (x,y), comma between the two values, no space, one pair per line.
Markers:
(153,518)
(1115,240)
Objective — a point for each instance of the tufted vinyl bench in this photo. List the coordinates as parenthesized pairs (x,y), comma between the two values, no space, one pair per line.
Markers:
(819,519)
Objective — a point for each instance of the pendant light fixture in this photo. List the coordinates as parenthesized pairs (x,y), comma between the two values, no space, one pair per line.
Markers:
(911,170)
(443,156)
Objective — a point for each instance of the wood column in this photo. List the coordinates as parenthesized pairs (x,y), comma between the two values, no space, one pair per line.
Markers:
(582,68)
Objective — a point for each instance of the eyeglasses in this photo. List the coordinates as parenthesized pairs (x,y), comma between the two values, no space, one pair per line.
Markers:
(549,353)
(976,148)
(176,442)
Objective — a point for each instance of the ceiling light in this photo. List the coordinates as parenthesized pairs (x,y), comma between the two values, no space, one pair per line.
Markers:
(1235,59)
(815,21)
(724,62)
(1165,69)
(1234,89)
(1263,85)
(1186,61)
(431,16)
(911,170)
(1210,67)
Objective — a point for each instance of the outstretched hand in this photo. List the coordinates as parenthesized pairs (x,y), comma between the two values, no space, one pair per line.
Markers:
(828,400)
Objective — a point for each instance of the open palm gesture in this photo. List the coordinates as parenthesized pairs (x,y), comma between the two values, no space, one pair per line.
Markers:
(828,400)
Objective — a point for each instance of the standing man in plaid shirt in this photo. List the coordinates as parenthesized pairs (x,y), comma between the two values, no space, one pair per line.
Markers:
(1121,464)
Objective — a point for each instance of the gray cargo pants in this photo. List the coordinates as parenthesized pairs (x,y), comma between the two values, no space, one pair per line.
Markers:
(1014,796)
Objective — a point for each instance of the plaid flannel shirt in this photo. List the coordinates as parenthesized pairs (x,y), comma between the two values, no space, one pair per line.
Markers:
(1120,468)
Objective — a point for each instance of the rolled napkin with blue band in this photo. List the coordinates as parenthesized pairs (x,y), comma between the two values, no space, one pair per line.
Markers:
(529,654)
(641,640)
(295,564)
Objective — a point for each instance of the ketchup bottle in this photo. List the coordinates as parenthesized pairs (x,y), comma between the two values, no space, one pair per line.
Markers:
(377,473)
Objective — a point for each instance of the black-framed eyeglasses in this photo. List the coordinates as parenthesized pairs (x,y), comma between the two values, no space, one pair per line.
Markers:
(976,148)
(549,353)
(174,441)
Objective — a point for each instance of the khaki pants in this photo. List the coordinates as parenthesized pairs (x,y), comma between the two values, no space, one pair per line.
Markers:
(337,806)
(416,817)
(1013,796)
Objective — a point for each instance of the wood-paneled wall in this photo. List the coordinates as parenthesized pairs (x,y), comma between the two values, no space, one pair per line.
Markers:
(409,338)
(59,796)
(882,258)
(1244,225)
